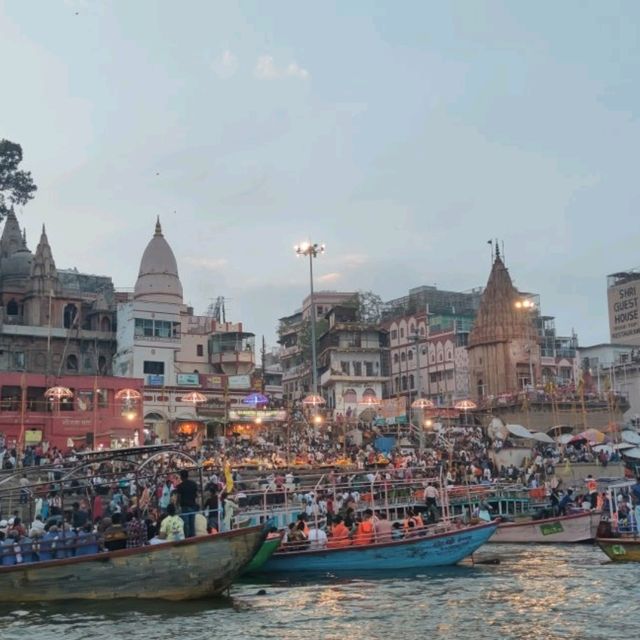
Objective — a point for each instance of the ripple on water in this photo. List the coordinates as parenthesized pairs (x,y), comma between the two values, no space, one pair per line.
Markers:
(536,592)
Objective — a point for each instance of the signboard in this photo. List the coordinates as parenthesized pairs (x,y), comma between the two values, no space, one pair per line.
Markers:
(393,407)
(188,379)
(624,319)
(551,528)
(155,380)
(241,415)
(212,382)
(239,382)
(32,436)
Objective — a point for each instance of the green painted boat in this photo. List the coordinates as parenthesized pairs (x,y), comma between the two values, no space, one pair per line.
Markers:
(266,550)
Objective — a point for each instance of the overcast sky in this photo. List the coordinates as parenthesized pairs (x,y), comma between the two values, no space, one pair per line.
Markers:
(403,135)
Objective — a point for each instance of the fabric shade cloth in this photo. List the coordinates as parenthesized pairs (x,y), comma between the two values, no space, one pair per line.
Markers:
(128,394)
(632,453)
(564,438)
(57,393)
(422,403)
(560,428)
(465,405)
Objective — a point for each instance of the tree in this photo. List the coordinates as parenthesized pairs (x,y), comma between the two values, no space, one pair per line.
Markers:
(369,306)
(16,185)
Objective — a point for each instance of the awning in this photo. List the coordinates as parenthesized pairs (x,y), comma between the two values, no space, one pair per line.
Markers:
(632,453)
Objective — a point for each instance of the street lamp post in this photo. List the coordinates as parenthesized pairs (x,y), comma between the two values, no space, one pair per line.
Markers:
(312,250)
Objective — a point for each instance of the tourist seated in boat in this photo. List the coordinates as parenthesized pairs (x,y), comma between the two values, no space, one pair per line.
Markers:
(86,541)
(172,526)
(48,547)
(339,535)
(136,530)
(67,542)
(37,527)
(115,536)
(200,524)
(382,528)
(397,532)
(296,538)
(364,533)
(317,538)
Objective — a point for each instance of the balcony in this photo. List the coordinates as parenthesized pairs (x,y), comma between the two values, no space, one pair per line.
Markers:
(233,362)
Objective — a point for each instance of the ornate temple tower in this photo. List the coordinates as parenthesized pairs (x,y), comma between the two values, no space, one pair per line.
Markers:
(504,350)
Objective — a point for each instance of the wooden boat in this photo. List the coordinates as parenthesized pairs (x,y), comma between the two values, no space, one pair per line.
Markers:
(423,551)
(623,549)
(193,568)
(576,527)
(266,550)
(619,536)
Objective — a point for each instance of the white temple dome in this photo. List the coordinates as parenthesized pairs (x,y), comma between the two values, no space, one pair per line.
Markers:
(158,279)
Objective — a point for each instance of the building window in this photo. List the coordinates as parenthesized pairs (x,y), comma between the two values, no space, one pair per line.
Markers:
(404,383)
(345,368)
(70,315)
(12,308)
(402,332)
(403,356)
(410,355)
(368,369)
(357,368)
(411,381)
(102,365)
(105,325)
(200,350)
(72,363)
(395,358)
(143,328)
(19,360)
(350,396)
(154,368)
(412,329)
(394,334)
(162,329)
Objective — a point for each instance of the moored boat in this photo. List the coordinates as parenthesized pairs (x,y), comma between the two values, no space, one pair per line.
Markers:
(575,527)
(423,550)
(623,549)
(187,569)
(266,550)
(619,532)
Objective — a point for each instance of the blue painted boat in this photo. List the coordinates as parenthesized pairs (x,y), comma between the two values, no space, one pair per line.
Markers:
(432,550)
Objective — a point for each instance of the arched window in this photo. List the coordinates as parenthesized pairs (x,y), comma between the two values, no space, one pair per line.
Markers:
(72,363)
(404,383)
(105,325)
(350,396)
(410,355)
(397,383)
(403,356)
(12,308)
(102,365)
(411,381)
(395,358)
(368,394)
(70,315)
(412,329)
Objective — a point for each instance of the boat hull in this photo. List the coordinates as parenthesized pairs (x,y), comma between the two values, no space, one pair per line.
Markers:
(579,527)
(621,549)
(413,553)
(266,550)
(192,568)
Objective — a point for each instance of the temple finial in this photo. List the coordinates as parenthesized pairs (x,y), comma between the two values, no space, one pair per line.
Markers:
(158,227)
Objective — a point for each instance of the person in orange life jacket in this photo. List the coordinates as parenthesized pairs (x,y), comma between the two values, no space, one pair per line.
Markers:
(339,534)
(364,531)
(302,523)
(410,520)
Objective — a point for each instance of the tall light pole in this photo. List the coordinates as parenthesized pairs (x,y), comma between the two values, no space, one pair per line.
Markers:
(312,250)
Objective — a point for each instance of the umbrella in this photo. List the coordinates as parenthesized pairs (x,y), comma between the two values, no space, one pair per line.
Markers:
(631,436)
(255,399)
(194,397)
(565,438)
(422,403)
(632,453)
(58,393)
(561,428)
(590,435)
(519,431)
(128,394)
(541,437)
(465,405)
(313,399)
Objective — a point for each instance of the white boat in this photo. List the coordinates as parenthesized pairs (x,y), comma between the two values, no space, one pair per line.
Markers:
(576,527)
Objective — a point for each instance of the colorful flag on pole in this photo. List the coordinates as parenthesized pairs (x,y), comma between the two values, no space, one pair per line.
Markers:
(228,477)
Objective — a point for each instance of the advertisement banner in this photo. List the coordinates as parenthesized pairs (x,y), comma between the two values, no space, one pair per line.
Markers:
(188,379)
(241,415)
(624,322)
(239,382)
(212,381)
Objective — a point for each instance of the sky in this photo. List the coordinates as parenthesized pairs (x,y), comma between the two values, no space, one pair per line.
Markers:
(402,135)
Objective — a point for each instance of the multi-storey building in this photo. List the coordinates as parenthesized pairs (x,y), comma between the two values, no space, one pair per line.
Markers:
(161,340)
(353,360)
(294,336)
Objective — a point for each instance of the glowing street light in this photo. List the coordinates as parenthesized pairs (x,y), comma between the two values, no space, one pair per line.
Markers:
(311,250)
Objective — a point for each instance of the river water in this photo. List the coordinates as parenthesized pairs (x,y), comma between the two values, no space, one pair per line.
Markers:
(535,592)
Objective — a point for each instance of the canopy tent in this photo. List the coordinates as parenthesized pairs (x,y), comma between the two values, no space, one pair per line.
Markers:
(632,453)
(560,429)
(565,438)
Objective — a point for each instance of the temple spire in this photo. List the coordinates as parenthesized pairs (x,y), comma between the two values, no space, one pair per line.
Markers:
(12,239)
(158,227)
